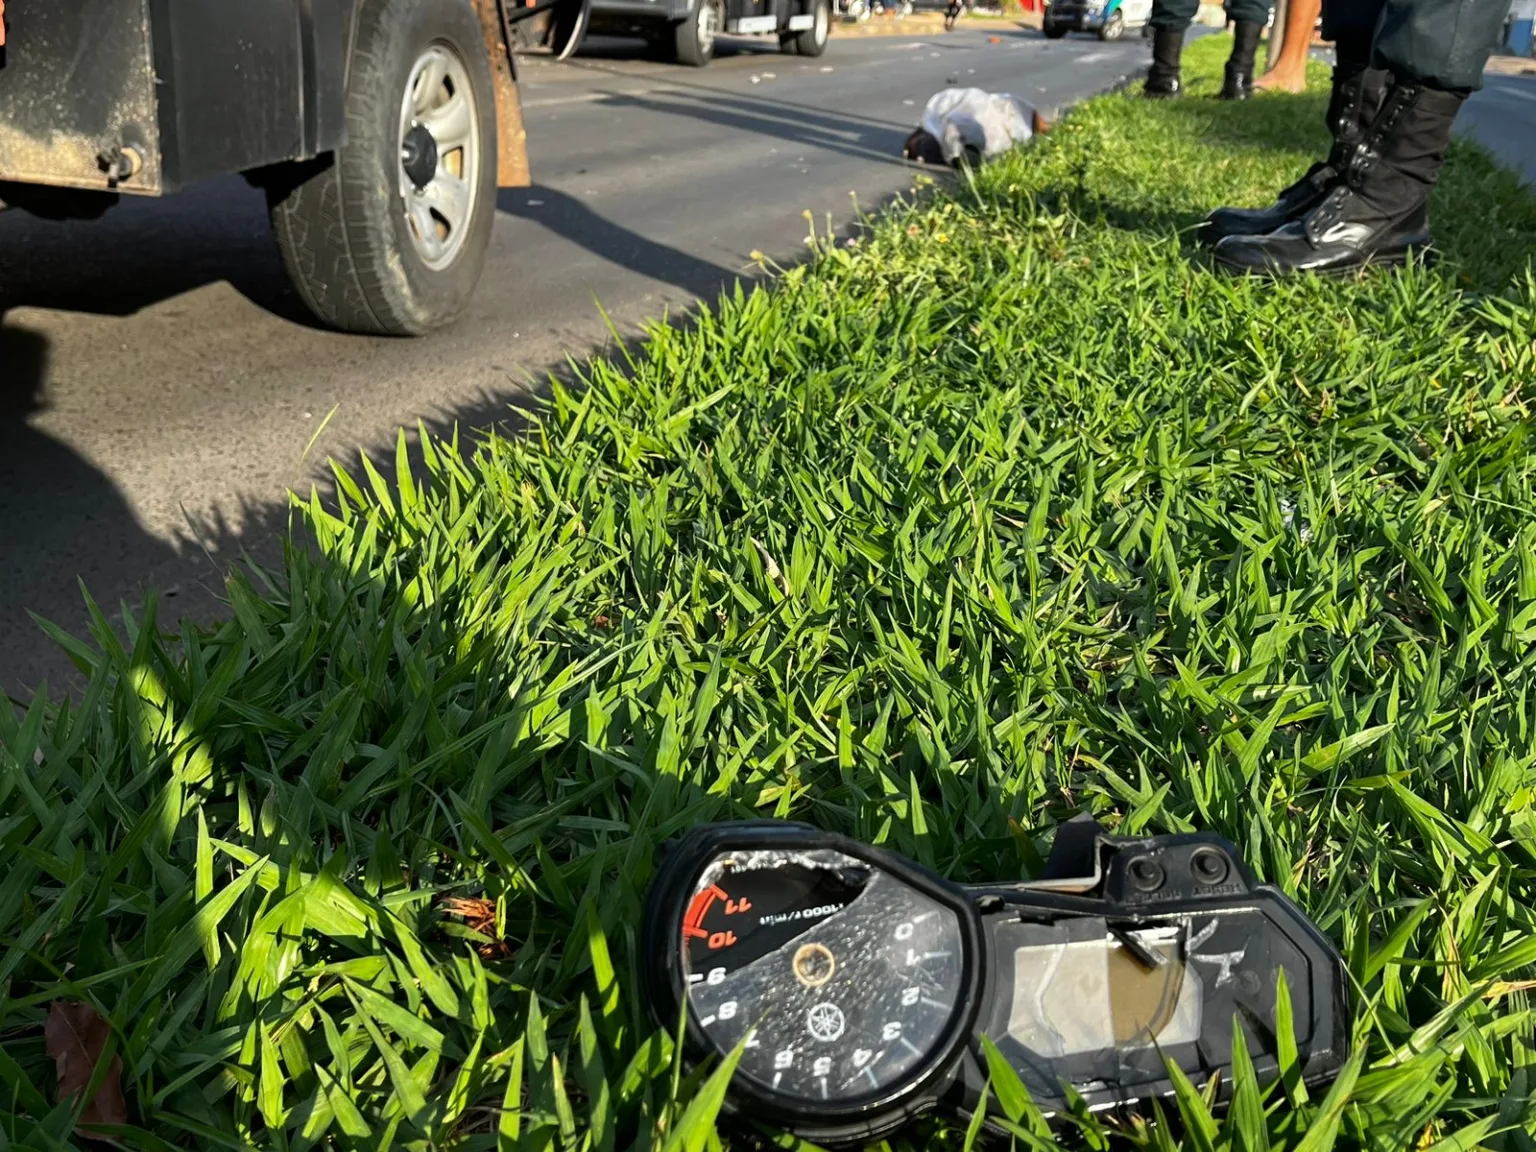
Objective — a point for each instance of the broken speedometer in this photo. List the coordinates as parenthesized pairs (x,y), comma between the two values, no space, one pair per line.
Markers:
(858,985)
(841,978)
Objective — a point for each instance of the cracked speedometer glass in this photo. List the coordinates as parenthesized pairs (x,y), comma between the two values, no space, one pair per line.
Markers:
(841,978)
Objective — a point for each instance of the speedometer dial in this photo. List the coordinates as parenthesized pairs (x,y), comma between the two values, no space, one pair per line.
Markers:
(842,979)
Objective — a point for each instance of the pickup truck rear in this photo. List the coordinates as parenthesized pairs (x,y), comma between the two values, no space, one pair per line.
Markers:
(380,130)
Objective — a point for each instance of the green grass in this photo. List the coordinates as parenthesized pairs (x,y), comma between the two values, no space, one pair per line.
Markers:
(1008,510)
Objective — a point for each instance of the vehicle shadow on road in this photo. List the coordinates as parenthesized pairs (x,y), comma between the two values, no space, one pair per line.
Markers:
(57,508)
(143,252)
(857,137)
(574,219)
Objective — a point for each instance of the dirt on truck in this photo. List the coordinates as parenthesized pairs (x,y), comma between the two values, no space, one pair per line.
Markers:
(380,130)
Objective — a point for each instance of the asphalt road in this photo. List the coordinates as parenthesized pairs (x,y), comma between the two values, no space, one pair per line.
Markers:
(159,383)
(1503,116)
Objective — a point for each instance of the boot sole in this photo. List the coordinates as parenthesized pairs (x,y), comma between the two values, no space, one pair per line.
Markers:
(1427,256)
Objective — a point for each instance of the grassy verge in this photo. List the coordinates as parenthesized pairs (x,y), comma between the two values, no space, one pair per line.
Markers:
(1006,510)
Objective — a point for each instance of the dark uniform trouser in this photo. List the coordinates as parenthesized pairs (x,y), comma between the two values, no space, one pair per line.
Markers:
(1180,14)
(1437,43)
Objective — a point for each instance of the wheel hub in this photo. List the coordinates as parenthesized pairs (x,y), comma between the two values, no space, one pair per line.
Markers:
(440,161)
(418,156)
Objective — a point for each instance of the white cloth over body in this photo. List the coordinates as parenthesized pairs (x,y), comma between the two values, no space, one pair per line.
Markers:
(989,122)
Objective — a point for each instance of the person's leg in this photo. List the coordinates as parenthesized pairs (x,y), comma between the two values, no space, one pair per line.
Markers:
(1378,211)
(1357,94)
(1350,25)
(1248,20)
(1170,20)
(1439,44)
(1289,72)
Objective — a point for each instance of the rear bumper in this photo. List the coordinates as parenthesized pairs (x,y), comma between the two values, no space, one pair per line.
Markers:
(638,11)
(1075,17)
(144,96)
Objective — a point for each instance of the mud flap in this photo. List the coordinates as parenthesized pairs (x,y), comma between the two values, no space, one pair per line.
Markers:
(511,135)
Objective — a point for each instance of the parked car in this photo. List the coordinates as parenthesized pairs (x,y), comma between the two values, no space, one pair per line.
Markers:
(1110,19)
(686,30)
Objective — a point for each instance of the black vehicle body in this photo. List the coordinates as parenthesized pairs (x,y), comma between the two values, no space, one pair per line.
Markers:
(147,96)
(105,98)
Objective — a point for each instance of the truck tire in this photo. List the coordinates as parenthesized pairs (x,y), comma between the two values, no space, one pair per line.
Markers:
(695,36)
(1054,31)
(388,235)
(813,41)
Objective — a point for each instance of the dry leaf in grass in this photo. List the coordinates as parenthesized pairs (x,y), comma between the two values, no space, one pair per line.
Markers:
(479,915)
(76,1037)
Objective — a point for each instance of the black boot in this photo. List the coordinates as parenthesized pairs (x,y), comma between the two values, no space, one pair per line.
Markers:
(1357,96)
(1163,76)
(1378,212)
(1245,46)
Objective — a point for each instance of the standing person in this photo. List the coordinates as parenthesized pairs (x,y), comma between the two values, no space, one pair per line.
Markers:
(1289,72)
(1405,67)
(1172,18)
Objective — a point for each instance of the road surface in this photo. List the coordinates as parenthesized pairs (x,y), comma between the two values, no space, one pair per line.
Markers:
(1503,116)
(159,384)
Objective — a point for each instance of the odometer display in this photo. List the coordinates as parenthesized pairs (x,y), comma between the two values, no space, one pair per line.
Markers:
(842,978)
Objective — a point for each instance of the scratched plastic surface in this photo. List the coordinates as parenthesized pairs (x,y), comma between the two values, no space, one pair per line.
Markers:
(1079,1005)
(1087,995)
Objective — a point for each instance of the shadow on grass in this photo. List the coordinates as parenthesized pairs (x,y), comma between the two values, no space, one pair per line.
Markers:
(1270,123)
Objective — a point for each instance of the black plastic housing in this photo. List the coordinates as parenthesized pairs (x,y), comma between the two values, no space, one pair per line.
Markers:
(1094,885)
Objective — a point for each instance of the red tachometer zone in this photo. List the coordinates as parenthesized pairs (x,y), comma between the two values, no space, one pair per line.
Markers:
(700,906)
